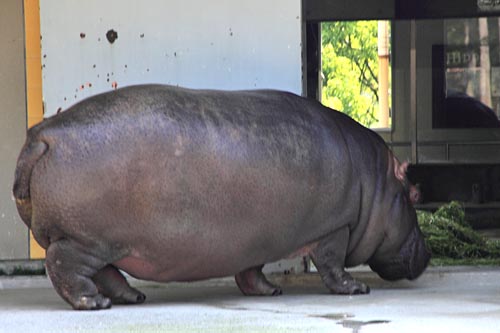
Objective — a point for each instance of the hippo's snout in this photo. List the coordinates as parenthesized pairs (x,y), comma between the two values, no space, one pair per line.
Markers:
(420,257)
(410,262)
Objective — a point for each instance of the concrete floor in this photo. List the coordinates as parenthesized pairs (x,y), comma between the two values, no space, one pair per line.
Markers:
(442,300)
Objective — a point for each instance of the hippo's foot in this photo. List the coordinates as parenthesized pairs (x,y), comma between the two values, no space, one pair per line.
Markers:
(111,283)
(252,282)
(96,302)
(70,269)
(341,282)
(329,258)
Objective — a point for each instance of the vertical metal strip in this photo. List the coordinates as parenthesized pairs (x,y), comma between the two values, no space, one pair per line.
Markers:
(304,47)
(33,61)
(413,93)
(33,84)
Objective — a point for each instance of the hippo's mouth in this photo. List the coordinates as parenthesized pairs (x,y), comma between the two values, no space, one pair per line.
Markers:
(409,263)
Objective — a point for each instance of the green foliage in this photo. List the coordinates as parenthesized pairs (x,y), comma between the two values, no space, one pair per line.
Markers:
(452,240)
(350,68)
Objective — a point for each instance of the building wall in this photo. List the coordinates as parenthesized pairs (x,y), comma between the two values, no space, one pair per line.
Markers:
(222,44)
(13,232)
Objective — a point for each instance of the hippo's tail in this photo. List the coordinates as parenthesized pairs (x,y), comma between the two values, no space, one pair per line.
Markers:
(30,154)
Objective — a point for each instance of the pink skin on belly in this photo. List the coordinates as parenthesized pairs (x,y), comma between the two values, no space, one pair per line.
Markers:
(143,269)
(303,251)
(138,268)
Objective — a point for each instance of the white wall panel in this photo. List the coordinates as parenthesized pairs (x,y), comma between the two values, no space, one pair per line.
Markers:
(220,44)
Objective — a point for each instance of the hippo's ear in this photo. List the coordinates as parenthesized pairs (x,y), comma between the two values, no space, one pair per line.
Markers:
(400,169)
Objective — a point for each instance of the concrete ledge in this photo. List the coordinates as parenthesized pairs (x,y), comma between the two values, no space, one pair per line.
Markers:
(22,267)
(302,280)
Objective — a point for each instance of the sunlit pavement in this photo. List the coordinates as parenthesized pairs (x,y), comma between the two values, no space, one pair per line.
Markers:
(459,299)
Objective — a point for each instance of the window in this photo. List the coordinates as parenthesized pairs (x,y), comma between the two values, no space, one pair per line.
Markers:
(356,71)
(467,74)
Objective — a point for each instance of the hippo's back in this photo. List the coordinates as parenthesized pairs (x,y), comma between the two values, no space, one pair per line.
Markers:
(197,174)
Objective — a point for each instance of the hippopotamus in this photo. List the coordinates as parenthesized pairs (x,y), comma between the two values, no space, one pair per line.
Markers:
(174,184)
(459,110)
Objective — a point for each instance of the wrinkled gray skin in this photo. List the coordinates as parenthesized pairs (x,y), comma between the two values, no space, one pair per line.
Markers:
(171,184)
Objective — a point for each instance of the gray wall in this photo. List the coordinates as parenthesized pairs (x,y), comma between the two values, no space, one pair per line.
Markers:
(13,232)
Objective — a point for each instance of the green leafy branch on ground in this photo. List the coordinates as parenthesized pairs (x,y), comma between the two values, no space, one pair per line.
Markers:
(452,240)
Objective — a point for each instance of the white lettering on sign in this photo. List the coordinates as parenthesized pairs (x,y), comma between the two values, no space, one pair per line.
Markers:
(488,5)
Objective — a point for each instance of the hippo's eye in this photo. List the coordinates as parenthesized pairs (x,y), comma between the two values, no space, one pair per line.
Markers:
(398,196)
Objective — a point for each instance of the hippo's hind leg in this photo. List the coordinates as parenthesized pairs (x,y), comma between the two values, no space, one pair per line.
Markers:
(252,282)
(329,259)
(71,270)
(111,283)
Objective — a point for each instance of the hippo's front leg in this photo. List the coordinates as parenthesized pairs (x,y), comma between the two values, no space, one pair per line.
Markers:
(329,259)
(71,270)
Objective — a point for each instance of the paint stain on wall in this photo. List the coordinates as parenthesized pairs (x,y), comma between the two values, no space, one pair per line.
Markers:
(111,36)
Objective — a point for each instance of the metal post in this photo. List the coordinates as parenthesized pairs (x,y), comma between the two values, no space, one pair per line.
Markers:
(413,92)
(383,74)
